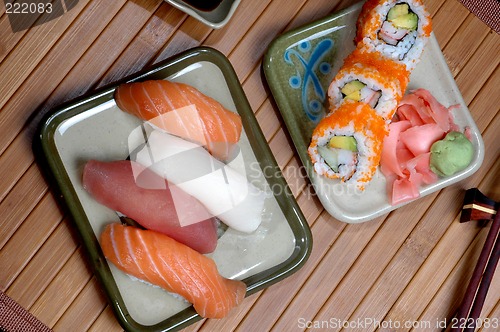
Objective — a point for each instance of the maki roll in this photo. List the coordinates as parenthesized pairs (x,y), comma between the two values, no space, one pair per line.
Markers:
(398,29)
(362,82)
(390,68)
(347,144)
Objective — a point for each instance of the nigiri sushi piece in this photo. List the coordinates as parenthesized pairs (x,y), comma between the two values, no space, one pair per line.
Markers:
(223,190)
(140,194)
(162,261)
(182,110)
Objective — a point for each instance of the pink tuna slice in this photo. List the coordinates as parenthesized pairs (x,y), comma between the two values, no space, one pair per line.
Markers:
(140,194)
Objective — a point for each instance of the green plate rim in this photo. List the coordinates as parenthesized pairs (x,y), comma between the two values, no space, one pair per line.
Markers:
(49,160)
(267,65)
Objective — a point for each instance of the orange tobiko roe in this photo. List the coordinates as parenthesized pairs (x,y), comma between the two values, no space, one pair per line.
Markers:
(390,68)
(427,29)
(367,8)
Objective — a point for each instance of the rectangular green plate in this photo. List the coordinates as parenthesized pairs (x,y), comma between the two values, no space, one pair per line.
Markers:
(94,128)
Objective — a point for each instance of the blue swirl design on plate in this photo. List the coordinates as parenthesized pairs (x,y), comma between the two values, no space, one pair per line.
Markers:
(313,105)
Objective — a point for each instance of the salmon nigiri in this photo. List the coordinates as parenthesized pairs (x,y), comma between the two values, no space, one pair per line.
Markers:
(162,261)
(140,194)
(182,110)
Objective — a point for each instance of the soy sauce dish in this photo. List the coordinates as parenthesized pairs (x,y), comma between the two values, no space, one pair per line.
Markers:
(214,13)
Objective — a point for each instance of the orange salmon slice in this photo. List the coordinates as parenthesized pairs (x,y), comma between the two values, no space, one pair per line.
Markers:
(182,110)
(162,261)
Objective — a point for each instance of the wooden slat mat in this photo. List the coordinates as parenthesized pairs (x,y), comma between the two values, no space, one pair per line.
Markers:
(410,266)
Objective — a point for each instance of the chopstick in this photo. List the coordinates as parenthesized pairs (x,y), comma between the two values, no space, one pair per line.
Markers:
(475,295)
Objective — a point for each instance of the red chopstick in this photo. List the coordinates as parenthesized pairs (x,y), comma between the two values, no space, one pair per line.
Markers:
(485,283)
(475,295)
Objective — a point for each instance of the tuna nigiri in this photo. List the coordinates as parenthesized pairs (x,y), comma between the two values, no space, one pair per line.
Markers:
(162,261)
(182,110)
(140,194)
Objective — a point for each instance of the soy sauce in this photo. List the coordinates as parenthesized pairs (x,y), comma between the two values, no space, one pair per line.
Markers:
(204,5)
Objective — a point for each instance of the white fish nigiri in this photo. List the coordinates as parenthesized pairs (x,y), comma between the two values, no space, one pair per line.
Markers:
(225,192)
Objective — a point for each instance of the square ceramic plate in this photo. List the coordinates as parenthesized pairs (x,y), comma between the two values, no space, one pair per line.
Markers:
(299,67)
(215,18)
(94,128)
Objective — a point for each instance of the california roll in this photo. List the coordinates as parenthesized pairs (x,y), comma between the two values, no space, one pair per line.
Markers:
(399,29)
(347,144)
(362,82)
